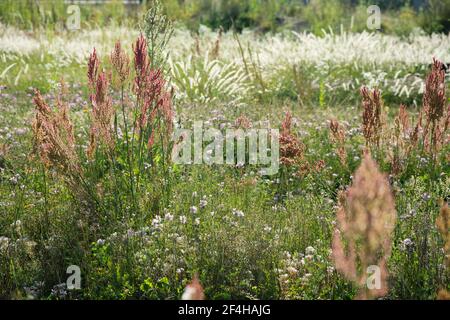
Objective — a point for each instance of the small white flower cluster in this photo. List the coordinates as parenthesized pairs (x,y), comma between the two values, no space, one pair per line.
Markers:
(407,245)
(157,223)
(22,243)
(168,216)
(17,226)
(293,267)
(4,243)
(310,252)
(203,203)
(59,291)
(193,210)
(298,267)
(410,214)
(14,179)
(238,213)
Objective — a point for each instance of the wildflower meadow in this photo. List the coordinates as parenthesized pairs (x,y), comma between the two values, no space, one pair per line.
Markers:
(156,160)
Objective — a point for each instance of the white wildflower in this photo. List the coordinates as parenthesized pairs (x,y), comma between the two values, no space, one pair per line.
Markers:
(193,209)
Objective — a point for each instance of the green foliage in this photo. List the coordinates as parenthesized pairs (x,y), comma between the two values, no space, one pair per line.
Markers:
(28,14)
(158,30)
(402,22)
(265,15)
(143,239)
(436,16)
(52,15)
(322,14)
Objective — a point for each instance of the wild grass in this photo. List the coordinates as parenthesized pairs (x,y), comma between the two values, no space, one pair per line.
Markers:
(301,67)
(91,182)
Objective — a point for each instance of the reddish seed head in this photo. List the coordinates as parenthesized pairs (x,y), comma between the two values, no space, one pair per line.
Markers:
(434,96)
(291,149)
(286,124)
(120,62)
(337,136)
(373,117)
(101,88)
(366,219)
(93,65)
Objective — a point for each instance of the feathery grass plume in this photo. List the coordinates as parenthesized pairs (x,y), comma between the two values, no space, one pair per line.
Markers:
(193,291)
(215,52)
(54,140)
(366,218)
(102,113)
(373,116)
(196,49)
(121,62)
(337,137)
(437,116)
(291,149)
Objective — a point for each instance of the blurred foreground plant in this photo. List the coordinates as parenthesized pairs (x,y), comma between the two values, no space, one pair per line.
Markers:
(443,225)
(366,218)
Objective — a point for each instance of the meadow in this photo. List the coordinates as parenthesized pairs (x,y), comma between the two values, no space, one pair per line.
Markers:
(87,178)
